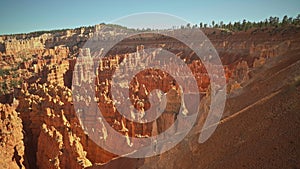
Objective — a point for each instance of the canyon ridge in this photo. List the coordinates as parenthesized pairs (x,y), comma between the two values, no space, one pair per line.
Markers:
(39,127)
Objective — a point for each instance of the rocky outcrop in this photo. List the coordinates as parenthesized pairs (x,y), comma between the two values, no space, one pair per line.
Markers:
(34,44)
(11,138)
(62,149)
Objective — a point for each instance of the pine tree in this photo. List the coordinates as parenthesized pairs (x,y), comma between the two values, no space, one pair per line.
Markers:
(284,20)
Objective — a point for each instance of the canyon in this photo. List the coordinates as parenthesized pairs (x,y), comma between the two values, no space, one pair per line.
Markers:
(40,125)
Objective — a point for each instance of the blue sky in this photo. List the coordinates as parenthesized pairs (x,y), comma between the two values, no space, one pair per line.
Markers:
(32,15)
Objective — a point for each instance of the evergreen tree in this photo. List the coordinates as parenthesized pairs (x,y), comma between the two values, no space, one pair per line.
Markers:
(188,25)
(221,24)
(284,20)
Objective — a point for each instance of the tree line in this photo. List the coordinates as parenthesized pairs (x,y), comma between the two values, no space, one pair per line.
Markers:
(245,25)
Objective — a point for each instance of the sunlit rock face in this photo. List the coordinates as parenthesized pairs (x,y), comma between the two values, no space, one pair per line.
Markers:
(40,127)
(11,137)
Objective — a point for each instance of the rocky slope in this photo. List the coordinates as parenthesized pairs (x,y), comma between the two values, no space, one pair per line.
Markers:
(259,128)
(11,137)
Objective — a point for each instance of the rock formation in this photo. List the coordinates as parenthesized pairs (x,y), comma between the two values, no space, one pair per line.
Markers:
(11,138)
(40,128)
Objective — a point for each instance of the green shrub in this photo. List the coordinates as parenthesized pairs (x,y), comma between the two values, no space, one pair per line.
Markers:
(4,72)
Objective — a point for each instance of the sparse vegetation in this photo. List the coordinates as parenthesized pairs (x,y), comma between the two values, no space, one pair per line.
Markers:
(15,83)
(3,88)
(4,72)
(8,86)
(11,71)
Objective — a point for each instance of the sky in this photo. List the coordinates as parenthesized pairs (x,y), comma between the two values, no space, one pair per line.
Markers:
(23,16)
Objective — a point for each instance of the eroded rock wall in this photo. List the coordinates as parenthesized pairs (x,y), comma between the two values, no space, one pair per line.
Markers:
(11,138)
(43,131)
